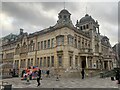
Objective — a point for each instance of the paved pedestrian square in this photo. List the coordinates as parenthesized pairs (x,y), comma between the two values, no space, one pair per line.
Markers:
(94,82)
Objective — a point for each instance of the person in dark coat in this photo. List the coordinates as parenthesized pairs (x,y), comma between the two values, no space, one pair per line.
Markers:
(83,73)
(38,77)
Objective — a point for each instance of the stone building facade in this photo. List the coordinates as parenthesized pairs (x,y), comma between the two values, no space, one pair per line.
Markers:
(63,47)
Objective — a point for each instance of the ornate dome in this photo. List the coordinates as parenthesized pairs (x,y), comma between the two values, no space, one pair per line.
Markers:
(64,11)
(86,19)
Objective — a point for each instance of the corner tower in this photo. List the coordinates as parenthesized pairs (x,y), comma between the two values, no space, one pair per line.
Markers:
(64,18)
(87,23)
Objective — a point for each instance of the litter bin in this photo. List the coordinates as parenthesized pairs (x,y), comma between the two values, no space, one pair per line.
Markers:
(101,74)
(8,87)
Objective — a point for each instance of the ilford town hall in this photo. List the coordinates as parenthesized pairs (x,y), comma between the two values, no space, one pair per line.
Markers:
(63,48)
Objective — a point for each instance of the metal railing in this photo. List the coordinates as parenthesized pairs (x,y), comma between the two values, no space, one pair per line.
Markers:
(105,74)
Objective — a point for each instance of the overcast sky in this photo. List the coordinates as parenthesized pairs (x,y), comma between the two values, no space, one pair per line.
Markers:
(35,16)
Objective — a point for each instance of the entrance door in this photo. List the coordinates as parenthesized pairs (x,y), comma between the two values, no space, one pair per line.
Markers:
(83,64)
(105,65)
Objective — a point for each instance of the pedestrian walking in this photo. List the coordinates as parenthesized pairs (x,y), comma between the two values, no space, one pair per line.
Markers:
(83,73)
(38,77)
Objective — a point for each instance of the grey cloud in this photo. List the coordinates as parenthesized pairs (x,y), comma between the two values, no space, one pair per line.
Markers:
(119,21)
(107,12)
(31,16)
(57,6)
(26,13)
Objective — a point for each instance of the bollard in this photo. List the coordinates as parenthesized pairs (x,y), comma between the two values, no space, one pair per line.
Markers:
(57,79)
(8,87)
(28,80)
(101,74)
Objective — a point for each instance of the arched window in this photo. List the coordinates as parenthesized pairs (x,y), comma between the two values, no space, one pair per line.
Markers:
(84,27)
(65,16)
(87,26)
(81,28)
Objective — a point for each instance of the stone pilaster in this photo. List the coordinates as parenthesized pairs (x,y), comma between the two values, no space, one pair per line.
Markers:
(86,62)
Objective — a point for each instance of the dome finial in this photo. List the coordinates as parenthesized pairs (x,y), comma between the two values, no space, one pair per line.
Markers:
(86,9)
(64,4)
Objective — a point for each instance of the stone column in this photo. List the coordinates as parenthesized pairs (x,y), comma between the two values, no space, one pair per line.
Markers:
(26,60)
(55,53)
(66,59)
(65,39)
(34,61)
(86,62)
(73,61)
(108,65)
(78,60)
(50,62)
(42,62)
(19,63)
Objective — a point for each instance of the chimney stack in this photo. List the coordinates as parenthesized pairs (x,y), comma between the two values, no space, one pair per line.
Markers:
(21,31)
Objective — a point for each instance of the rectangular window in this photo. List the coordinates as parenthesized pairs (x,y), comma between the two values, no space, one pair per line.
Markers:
(16,63)
(44,61)
(75,43)
(48,61)
(70,61)
(33,46)
(82,42)
(60,40)
(59,60)
(24,63)
(28,63)
(90,64)
(76,61)
(89,44)
(49,43)
(41,44)
(37,62)
(41,62)
(79,44)
(70,40)
(21,63)
(52,42)
(52,61)
(31,61)
(45,44)
(38,45)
